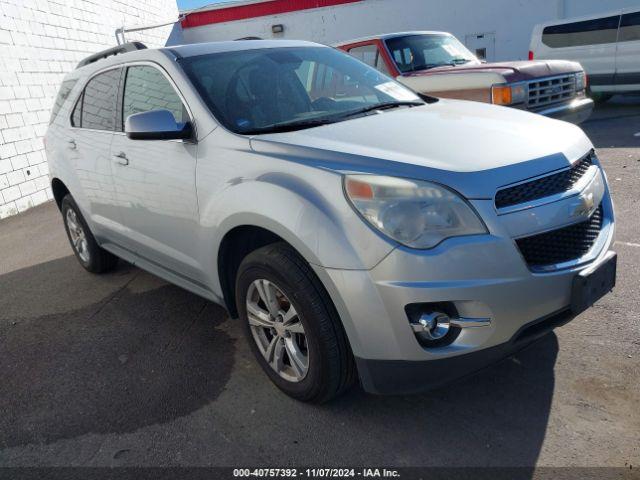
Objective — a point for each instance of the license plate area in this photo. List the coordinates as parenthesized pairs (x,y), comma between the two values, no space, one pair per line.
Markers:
(589,287)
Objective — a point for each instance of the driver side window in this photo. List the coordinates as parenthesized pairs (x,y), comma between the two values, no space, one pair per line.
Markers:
(146,88)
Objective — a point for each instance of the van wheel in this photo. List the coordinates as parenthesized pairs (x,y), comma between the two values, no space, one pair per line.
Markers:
(292,326)
(84,245)
(599,97)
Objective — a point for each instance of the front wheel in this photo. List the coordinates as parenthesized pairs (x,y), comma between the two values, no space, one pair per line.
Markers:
(292,326)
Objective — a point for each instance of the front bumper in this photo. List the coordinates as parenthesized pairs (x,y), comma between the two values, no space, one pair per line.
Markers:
(483,277)
(385,377)
(577,111)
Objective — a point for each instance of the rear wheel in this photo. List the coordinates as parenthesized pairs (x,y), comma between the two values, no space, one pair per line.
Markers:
(90,255)
(292,326)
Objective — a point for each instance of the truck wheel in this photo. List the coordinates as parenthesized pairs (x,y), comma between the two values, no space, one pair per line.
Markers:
(292,326)
(93,258)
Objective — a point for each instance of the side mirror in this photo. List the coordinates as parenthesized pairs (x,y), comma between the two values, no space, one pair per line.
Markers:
(156,125)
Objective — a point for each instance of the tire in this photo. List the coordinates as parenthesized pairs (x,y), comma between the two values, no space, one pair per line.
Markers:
(330,365)
(90,255)
(600,98)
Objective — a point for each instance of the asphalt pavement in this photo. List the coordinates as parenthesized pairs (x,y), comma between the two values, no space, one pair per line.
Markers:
(127,370)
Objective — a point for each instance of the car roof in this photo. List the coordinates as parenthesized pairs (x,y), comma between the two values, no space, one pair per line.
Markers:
(195,49)
(387,36)
(185,51)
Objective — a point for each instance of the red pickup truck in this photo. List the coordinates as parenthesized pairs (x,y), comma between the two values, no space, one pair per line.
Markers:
(437,64)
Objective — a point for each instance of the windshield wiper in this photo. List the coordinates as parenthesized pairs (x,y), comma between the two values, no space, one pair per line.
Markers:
(382,106)
(292,126)
(302,124)
(453,63)
(426,66)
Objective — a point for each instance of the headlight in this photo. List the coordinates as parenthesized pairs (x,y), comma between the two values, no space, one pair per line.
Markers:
(509,94)
(414,213)
(581,81)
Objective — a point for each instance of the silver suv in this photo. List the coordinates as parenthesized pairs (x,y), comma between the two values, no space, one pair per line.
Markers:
(356,229)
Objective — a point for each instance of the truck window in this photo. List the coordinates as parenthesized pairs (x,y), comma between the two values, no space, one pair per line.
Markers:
(577,34)
(370,54)
(630,27)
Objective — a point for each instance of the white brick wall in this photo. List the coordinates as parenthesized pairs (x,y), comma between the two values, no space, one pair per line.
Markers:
(40,41)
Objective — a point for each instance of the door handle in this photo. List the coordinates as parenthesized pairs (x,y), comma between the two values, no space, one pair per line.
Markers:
(122,159)
(72,144)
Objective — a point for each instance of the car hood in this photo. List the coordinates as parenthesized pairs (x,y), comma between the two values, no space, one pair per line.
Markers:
(472,147)
(511,71)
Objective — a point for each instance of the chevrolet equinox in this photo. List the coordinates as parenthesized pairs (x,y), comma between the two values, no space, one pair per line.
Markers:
(359,231)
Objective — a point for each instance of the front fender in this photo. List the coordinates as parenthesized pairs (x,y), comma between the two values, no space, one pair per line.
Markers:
(304,206)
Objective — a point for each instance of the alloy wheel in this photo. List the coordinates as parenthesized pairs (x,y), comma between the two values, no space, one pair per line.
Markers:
(78,236)
(277,330)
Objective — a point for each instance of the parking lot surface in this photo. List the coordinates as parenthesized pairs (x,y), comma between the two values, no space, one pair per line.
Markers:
(125,369)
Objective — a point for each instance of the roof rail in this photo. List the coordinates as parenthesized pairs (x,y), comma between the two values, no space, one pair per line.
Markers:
(124,48)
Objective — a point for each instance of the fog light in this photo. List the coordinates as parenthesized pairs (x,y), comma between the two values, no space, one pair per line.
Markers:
(433,326)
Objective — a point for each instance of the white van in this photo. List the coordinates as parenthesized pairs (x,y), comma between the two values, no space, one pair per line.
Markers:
(607,46)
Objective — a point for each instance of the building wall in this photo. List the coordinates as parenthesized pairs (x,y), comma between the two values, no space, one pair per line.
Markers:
(40,41)
(510,22)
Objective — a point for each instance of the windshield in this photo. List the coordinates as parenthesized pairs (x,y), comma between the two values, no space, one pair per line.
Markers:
(421,52)
(280,89)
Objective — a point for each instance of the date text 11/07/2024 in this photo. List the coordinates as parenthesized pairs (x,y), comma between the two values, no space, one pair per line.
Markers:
(316,473)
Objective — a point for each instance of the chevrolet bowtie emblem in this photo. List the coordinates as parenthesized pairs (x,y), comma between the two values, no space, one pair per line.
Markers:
(584,206)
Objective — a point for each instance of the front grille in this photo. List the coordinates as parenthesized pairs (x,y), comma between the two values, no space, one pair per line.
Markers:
(543,93)
(563,245)
(544,187)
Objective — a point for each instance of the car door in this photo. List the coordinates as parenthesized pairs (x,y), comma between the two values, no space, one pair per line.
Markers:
(591,42)
(89,142)
(628,55)
(155,179)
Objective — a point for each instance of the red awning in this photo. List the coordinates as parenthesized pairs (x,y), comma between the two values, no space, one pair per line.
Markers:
(253,10)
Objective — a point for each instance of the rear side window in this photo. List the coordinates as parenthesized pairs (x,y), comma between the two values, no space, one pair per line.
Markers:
(577,34)
(146,89)
(99,101)
(630,27)
(370,55)
(76,116)
(63,94)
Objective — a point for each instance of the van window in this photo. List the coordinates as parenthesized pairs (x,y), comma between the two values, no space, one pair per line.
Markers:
(630,27)
(63,94)
(99,101)
(576,34)
(370,55)
(145,89)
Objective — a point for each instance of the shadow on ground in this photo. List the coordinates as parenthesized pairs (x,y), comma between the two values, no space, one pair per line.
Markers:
(139,353)
(115,353)
(615,124)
